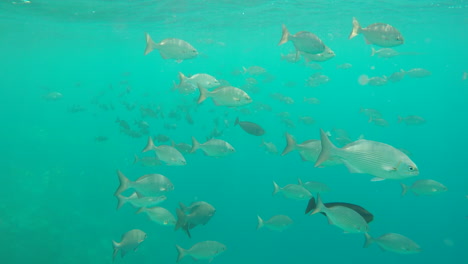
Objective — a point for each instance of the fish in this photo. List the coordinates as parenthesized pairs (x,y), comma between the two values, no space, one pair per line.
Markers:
(344,66)
(292,191)
(167,154)
(314,187)
(303,41)
(379,122)
(275,223)
(171,48)
(311,100)
(424,187)
(226,96)
(254,70)
(203,79)
(394,242)
(418,73)
(372,81)
(159,215)
(52,96)
(147,161)
(269,147)
(291,57)
(360,210)
(307,120)
(327,54)
(213,147)
(343,217)
(385,52)
(371,113)
(206,250)
(198,213)
(129,242)
(182,147)
(309,150)
(464,76)
(379,34)
(250,127)
(397,76)
(412,120)
(138,200)
(317,79)
(149,184)
(371,157)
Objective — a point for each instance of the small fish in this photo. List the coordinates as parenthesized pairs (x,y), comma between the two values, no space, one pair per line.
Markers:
(363,212)
(394,242)
(303,41)
(198,213)
(138,200)
(343,217)
(385,53)
(412,120)
(317,79)
(226,95)
(129,242)
(269,147)
(292,191)
(371,113)
(171,48)
(311,100)
(101,138)
(159,215)
(314,187)
(397,76)
(307,120)
(372,81)
(213,147)
(147,161)
(254,70)
(291,57)
(52,96)
(149,184)
(379,122)
(249,127)
(418,73)
(465,76)
(275,223)
(167,154)
(344,66)
(327,54)
(379,34)
(365,156)
(424,187)
(206,250)
(203,79)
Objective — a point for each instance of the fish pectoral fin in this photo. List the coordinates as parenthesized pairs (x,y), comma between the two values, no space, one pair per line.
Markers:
(367,41)
(390,169)
(377,179)
(237,99)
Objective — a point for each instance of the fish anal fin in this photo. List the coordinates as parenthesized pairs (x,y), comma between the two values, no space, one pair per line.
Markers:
(351,168)
(367,41)
(375,179)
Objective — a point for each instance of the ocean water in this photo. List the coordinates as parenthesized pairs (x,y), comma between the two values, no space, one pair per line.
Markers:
(58,178)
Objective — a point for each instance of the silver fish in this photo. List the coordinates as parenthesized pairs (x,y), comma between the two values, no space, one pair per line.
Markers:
(203,79)
(327,54)
(138,200)
(424,187)
(205,250)
(149,184)
(394,242)
(198,213)
(380,34)
(167,154)
(171,48)
(275,223)
(159,215)
(303,41)
(314,187)
(129,242)
(292,191)
(365,156)
(226,95)
(213,147)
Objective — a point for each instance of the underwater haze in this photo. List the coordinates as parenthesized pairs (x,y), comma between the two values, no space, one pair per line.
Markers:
(79,100)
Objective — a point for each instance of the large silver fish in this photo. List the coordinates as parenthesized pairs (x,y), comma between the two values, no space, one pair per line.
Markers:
(129,242)
(167,154)
(171,48)
(303,41)
(225,95)
(213,147)
(380,34)
(365,156)
(149,184)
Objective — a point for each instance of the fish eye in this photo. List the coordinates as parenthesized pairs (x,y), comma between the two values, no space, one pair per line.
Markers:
(411,168)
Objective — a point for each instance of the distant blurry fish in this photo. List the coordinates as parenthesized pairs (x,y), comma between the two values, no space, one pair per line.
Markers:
(203,79)
(292,191)
(418,73)
(344,66)
(465,76)
(363,212)
(101,138)
(365,156)
(341,136)
(412,120)
(129,242)
(249,127)
(52,96)
(327,54)
(147,161)
(269,147)
(226,95)
(291,57)
(138,200)
(162,138)
(275,223)
(379,122)
(171,48)
(254,70)
(206,250)
(149,184)
(311,100)
(314,187)
(380,34)
(424,187)
(370,112)
(213,147)
(397,76)
(303,41)
(167,154)
(373,81)
(159,215)
(317,79)
(394,242)
(182,147)
(385,52)
(307,120)
(343,217)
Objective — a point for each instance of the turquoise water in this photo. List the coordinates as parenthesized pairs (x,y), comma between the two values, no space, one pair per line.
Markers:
(57,203)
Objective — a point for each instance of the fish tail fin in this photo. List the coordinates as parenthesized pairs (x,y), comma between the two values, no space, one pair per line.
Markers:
(328,149)
(404,189)
(150,44)
(116,247)
(373,51)
(356,29)
(244,70)
(363,79)
(203,93)
(150,145)
(121,201)
(400,119)
(277,188)
(195,145)
(181,253)
(320,207)
(311,205)
(290,144)
(182,77)
(181,219)
(136,159)
(299,181)
(369,240)
(237,121)
(124,183)
(284,36)
(260,222)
